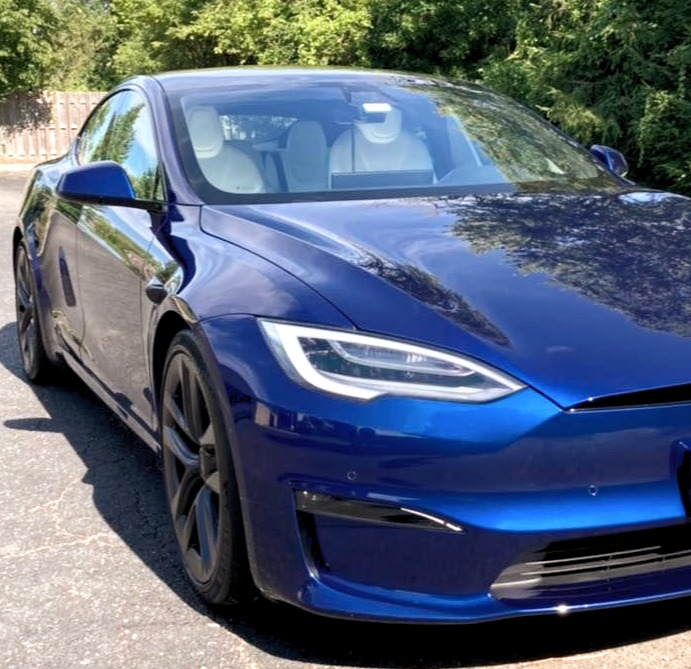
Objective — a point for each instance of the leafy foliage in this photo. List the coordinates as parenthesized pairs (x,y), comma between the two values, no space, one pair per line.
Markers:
(606,71)
(442,36)
(149,37)
(25,50)
(271,32)
(82,46)
(609,71)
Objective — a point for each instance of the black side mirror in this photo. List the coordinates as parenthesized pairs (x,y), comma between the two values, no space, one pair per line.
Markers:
(612,159)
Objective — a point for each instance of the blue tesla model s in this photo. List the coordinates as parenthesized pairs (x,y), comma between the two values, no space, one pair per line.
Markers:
(408,352)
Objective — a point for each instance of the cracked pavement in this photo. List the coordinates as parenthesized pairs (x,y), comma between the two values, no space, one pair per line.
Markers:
(89,574)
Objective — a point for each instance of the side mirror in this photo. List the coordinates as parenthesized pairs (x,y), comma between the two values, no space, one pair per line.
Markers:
(612,159)
(104,182)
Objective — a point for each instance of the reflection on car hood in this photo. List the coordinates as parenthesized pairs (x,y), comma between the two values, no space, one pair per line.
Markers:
(579,295)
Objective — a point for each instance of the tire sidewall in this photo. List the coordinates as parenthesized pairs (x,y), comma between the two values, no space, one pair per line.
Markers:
(40,363)
(229,582)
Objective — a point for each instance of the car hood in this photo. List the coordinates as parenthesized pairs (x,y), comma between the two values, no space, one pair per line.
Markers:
(581,296)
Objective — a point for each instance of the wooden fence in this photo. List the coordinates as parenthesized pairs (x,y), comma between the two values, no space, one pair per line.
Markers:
(38,127)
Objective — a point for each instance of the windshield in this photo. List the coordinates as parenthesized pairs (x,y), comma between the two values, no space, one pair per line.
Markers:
(327,139)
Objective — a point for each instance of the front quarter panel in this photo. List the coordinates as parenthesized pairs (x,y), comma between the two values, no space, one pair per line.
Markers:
(224,279)
(207,278)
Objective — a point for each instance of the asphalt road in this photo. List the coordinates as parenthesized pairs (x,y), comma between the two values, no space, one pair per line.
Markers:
(89,574)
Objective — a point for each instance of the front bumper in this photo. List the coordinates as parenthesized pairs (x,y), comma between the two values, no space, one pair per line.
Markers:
(498,485)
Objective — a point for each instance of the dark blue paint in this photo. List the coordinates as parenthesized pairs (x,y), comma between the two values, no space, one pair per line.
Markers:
(562,291)
(96,182)
(612,159)
(577,294)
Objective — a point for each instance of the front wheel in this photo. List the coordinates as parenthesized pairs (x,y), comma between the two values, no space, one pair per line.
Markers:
(199,478)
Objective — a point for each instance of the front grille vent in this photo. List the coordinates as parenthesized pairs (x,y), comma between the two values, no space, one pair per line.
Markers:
(578,571)
(670,395)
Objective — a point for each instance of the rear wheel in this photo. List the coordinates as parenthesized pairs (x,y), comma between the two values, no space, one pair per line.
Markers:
(199,478)
(35,361)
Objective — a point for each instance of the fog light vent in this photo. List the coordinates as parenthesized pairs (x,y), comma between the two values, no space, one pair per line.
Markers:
(374,512)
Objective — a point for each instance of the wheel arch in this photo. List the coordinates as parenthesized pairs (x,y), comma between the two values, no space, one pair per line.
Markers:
(17,237)
(170,324)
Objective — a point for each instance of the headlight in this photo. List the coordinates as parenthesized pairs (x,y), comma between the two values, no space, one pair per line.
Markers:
(364,367)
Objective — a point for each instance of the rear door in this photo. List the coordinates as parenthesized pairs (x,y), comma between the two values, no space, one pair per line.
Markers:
(57,233)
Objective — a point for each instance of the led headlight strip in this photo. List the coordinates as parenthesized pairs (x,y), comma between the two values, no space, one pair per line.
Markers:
(363,367)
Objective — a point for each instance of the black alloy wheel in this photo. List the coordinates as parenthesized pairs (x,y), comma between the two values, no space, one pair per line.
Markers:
(200,484)
(35,361)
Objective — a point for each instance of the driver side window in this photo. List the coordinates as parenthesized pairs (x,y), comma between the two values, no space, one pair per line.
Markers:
(121,130)
(133,145)
(93,139)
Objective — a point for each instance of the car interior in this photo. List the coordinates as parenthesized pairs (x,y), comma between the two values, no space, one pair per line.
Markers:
(327,140)
(295,155)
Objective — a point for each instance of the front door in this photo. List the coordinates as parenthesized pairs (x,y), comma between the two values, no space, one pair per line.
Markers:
(113,244)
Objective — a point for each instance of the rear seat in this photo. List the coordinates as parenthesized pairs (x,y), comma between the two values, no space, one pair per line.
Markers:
(305,158)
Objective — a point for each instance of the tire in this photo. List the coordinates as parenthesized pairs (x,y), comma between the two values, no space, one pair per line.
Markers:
(37,365)
(200,483)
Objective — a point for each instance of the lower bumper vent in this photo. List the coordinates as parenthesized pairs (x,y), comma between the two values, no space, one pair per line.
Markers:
(625,565)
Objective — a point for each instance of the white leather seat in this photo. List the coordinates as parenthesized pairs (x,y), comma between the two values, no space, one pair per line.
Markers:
(225,167)
(305,158)
(378,147)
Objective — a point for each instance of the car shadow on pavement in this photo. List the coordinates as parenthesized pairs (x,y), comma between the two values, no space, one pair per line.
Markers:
(128,493)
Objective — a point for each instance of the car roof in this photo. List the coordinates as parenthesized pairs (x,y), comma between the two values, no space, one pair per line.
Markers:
(190,80)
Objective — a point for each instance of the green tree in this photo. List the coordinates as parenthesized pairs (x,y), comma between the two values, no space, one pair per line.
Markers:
(25,48)
(154,35)
(440,36)
(147,37)
(83,46)
(281,32)
(609,71)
